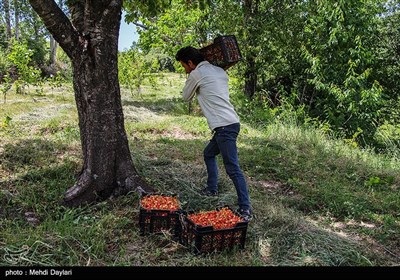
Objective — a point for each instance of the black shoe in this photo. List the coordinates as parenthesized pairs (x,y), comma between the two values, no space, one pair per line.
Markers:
(207,192)
(245,214)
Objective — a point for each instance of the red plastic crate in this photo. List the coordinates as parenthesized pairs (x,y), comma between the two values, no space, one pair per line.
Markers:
(206,239)
(224,52)
(157,221)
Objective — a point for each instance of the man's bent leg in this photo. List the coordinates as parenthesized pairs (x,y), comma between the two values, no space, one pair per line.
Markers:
(210,151)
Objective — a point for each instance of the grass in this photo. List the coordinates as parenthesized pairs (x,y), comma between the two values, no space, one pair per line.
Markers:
(317,201)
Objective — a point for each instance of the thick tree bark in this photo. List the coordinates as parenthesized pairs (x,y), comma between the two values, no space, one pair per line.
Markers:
(90,39)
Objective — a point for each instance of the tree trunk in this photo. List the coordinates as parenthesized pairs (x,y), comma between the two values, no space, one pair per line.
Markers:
(250,77)
(16,19)
(92,44)
(250,12)
(53,52)
(6,5)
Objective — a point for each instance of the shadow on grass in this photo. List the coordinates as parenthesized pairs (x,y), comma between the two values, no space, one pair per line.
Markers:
(302,182)
(277,236)
(24,154)
(39,176)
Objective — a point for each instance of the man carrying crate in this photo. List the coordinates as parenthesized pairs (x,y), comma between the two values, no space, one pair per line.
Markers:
(210,83)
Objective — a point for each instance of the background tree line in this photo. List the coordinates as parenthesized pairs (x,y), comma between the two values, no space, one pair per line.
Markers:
(328,64)
(28,53)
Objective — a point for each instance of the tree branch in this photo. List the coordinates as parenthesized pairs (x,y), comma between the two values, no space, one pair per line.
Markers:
(58,25)
(140,25)
(164,37)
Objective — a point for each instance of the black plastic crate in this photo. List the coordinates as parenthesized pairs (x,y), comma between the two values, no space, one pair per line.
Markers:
(206,239)
(157,221)
(224,52)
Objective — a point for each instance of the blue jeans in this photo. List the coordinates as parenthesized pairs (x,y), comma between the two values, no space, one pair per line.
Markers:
(224,142)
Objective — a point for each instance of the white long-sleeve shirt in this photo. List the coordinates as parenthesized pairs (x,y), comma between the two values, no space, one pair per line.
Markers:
(211,85)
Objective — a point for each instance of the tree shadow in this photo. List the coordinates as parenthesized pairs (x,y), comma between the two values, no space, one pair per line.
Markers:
(39,173)
(28,153)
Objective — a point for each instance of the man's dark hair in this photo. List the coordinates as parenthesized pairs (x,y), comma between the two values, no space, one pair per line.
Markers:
(189,53)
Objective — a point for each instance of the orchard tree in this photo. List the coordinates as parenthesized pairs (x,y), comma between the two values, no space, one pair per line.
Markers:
(90,39)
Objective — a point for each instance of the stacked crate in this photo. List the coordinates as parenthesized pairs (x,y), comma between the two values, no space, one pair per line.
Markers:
(158,213)
(202,232)
(214,231)
(224,52)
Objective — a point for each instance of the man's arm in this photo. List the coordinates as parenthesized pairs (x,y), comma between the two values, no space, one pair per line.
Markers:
(190,88)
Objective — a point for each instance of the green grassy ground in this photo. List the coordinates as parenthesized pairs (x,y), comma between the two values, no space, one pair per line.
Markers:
(317,201)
